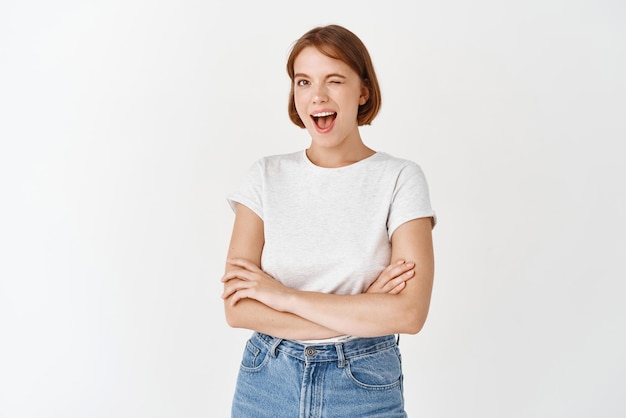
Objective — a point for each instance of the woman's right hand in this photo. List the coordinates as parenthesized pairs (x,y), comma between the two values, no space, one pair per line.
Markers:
(393,278)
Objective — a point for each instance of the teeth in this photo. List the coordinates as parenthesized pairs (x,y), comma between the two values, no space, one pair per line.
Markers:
(322,114)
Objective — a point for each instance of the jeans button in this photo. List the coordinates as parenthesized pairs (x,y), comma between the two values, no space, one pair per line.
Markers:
(310,351)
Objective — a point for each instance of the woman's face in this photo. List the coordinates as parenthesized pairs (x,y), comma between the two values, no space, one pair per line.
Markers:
(327,95)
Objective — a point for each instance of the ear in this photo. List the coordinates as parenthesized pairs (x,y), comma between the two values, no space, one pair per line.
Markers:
(365,93)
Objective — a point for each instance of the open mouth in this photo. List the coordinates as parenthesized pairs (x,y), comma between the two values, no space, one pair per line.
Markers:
(324,120)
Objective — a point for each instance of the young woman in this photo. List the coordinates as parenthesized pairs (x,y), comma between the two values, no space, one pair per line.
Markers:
(331,251)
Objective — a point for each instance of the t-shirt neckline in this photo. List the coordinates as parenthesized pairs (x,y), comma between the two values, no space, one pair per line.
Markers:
(308,162)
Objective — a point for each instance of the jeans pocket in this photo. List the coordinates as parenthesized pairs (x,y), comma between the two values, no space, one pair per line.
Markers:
(255,356)
(376,371)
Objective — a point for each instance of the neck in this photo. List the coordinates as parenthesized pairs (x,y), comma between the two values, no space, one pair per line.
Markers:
(334,158)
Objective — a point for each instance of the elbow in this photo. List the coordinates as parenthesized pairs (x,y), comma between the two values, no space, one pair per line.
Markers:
(413,327)
(414,321)
(231,321)
(232,318)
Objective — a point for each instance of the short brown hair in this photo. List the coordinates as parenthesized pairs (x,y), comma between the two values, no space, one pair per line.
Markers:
(339,43)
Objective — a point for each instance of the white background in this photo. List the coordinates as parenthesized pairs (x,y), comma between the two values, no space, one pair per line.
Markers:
(124,124)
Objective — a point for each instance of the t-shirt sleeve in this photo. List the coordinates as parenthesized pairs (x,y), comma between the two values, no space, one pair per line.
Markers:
(411,199)
(250,193)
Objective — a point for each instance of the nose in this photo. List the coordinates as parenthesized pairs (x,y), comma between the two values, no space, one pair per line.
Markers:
(319,94)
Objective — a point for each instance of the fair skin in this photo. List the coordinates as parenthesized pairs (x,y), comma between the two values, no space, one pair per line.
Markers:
(325,85)
(327,95)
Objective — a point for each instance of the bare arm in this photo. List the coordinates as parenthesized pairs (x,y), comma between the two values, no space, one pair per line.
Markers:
(247,244)
(379,314)
(368,314)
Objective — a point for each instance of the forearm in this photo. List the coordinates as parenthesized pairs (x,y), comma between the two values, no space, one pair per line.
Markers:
(374,314)
(254,315)
(364,315)
(368,314)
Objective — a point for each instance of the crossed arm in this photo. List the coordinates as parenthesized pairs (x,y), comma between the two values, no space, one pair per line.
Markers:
(397,302)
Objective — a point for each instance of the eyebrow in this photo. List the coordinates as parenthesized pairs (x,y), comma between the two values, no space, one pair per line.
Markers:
(327,76)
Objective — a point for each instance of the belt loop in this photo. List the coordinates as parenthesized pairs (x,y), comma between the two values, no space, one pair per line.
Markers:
(341,360)
(274,346)
(398,340)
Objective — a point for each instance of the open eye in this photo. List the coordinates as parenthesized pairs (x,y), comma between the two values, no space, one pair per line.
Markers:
(302,82)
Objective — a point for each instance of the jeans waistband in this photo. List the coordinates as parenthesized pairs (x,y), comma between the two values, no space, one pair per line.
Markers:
(326,352)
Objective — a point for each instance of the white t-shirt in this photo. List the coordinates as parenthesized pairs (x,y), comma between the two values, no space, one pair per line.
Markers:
(329,229)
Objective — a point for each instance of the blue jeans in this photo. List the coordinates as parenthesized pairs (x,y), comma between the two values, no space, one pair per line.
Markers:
(282,378)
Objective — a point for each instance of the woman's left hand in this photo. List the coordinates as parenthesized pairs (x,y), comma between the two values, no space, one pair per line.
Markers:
(392,280)
(247,280)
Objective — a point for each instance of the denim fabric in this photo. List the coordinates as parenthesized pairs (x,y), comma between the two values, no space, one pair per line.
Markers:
(283,378)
